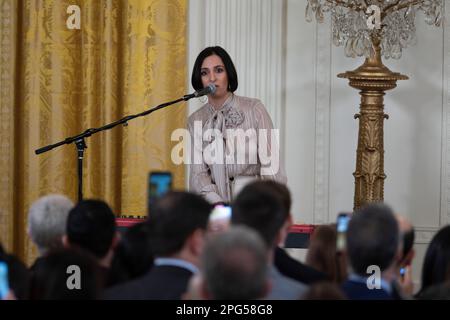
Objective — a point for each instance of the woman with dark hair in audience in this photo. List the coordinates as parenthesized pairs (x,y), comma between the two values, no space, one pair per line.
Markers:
(436,265)
(436,292)
(324,291)
(323,256)
(218,178)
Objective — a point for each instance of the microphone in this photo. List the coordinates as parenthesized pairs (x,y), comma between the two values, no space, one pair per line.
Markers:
(209,89)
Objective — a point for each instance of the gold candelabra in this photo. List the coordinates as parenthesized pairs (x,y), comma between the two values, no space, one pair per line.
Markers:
(373,79)
(373,28)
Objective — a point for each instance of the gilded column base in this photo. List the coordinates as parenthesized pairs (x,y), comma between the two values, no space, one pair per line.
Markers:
(373,79)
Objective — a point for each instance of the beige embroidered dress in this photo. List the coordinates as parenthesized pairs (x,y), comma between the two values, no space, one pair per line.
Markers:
(228,144)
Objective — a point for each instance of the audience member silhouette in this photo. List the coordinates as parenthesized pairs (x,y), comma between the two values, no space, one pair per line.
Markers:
(235,266)
(259,208)
(436,265)
(47,220)
(323,256)
(66,274)
(374,250)
(177,227)
(287,265)
(436,292)
(324,291)
(133,256)
(91,226)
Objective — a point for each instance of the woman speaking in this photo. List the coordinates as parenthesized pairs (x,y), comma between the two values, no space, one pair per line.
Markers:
(233,139)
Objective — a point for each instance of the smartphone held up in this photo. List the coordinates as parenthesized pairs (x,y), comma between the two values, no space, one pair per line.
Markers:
(219,219)
(159,183)
(342,225)
(4,284)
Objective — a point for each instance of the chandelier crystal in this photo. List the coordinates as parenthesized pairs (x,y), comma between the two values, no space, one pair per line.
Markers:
(397,23)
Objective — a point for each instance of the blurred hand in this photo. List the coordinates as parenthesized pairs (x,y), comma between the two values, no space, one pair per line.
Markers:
(406,282)
(10,296)
(218,225)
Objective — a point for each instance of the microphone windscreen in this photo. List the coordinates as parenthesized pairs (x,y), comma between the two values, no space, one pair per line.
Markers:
(212,88)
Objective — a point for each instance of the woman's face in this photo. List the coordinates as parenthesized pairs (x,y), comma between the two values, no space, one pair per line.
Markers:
(213,71)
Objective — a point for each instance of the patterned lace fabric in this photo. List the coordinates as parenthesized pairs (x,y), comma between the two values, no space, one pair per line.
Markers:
(219,127)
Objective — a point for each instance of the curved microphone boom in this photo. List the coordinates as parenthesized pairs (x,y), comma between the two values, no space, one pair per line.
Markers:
(79,139)
(209,89)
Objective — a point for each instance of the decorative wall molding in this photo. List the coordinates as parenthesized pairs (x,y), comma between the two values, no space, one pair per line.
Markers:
(423,235)
(322,124)
(445,175)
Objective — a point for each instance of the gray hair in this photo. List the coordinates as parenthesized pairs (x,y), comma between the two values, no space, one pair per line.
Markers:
(235,265)
(47,220)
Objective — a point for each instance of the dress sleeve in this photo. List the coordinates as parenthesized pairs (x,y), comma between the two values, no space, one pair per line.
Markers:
(269,153)
(200,176)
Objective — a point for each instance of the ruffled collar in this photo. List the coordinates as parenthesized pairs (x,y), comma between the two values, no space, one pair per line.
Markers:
(232,116)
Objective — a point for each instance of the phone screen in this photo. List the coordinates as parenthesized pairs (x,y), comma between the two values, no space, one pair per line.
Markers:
(342,226)
(159,182)
(4,285)
(220,212)
(342,222)
(219,219)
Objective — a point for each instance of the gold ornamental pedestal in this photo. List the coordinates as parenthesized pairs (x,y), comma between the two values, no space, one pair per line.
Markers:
(373,79)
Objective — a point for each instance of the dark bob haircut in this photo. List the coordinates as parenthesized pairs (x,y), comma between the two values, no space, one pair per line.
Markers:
(196,79)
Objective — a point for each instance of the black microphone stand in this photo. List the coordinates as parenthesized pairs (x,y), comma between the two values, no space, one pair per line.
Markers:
(81,144)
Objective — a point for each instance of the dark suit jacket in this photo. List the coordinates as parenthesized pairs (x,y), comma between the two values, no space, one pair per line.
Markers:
(160,283)
(296,270)
(359,291)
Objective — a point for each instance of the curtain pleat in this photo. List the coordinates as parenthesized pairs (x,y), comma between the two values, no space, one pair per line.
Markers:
(128,56)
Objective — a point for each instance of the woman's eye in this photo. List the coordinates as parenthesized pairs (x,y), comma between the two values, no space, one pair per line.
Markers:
(220,70)
(203,73)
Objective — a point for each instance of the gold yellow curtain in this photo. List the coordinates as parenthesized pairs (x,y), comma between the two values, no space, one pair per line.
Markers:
(127,56)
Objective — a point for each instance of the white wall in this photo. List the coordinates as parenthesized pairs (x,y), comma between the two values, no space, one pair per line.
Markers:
(291,66)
